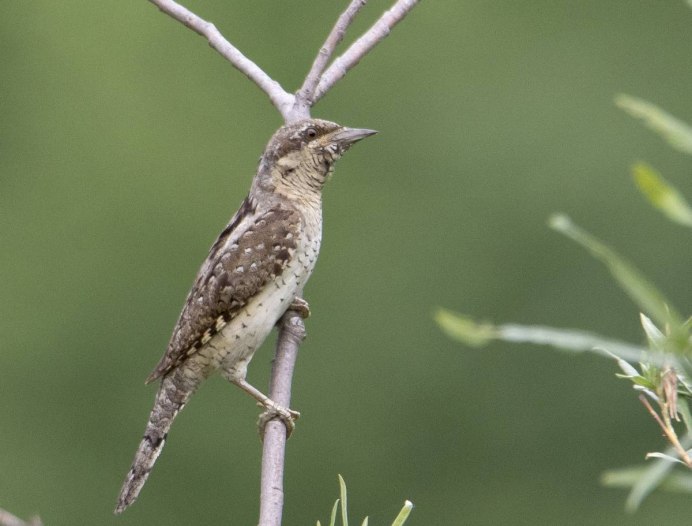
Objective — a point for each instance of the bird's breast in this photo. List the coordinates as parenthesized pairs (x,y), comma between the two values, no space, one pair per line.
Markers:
(233,347)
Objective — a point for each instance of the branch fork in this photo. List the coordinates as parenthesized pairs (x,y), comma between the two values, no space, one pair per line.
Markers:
(320,79)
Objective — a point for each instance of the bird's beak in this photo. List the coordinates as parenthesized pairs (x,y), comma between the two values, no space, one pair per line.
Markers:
(345,137)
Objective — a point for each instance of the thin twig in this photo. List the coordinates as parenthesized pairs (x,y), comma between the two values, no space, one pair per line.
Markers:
(282,100)
(669,432)
(363,45)
(336,35)
(291,334)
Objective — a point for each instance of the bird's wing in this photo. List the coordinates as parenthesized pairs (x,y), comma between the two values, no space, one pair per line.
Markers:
(251,251)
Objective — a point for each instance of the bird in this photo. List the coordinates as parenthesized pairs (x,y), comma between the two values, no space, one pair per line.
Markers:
(255,271)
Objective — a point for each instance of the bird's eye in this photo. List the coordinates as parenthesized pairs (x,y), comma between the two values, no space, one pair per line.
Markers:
(311,133)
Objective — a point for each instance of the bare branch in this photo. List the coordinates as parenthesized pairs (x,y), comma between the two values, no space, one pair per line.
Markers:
(363,45)
(335,36)
(291,334)
(282,100)
(318,81)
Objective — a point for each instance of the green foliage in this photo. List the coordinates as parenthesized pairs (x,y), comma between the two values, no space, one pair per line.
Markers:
(661,194)
(469,332)
(465,329)
(675,131)
(662,370)
(343,500)
(643,293)
(663,362)
(642,480)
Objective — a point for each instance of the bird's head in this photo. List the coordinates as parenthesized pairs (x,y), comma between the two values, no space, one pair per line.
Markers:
(300,156)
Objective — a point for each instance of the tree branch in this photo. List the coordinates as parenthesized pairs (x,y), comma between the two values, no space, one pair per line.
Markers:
(336,35)
(318,81)
(291,334)
(363,45)
(281,100)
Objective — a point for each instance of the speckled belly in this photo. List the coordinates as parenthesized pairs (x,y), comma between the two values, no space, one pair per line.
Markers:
(232,349)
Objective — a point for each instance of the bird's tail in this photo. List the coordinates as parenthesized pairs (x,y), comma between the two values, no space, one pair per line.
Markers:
(170,399)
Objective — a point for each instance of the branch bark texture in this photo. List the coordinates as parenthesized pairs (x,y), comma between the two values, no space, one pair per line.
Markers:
(281,100)
(363,45)
(291,335)
(336,35)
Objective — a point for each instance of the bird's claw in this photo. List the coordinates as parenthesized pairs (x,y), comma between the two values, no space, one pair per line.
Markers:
(272,411)
(300,306)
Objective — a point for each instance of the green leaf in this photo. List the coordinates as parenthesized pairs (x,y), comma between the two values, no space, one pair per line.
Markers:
(661,194)
(678,482)
(675,131)
(644,479)
(465,329)
(459,327)
(665,457)
(403,514)
(684,411)
(344,509)
(653,334)
(642,292)
(332,519)
(628,370)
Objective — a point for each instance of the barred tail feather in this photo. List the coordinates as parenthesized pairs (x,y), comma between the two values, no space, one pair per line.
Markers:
(170,399)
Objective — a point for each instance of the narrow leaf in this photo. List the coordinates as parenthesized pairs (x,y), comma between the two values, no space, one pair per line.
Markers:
(675,131)
(344,508)
(570,340)
(642,292)
(623,477)
(642,482)
(653,333)
(665,457)
(626,478)
(403,514)
(645,479)
(458,326)
(365,522)
(684,410)
(332,518)
(678,482)
(629,370)
(465,329)
(661,194)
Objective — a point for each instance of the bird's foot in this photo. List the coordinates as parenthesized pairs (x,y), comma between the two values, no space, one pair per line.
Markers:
(272,411)
(300,306)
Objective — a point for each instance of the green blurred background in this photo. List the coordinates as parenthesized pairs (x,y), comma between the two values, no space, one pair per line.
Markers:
(126,144)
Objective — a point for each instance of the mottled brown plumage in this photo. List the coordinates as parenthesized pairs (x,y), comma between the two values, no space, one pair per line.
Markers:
(254,271)
(230,278)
